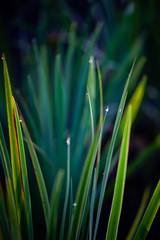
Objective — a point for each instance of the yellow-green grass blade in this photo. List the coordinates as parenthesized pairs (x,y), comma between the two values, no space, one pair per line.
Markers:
(91,113)
(143,156)
(53,214)
(5,161)
(84,185)
(12,212)
(138,162)
(24,172)
(120,181)
(137,72)
(110,150)
(135,102)
(149,215)
(67,190)
(14,148)
(92,205)
(139,214)
(101,115)
(3,216)
(11,204)
(38,172)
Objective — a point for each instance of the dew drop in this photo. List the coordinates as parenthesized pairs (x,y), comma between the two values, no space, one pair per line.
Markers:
(68,141)
(107,109)
(74,204)
(120,110)
(20,120)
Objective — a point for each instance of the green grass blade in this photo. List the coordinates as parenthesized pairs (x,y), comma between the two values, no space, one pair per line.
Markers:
(111,148)
(3,216)
(59,109)
(120,181)
(82,82)
(92,205)
(44,99)
(67,190)
(137,72)
(85,212)
(143,156)
(13,215)
(84,185)
(92,85)
(69,60)
(24,171)
(6,164)
(149,215)
(139,214)
(53,215)
(38,172)
(70,206)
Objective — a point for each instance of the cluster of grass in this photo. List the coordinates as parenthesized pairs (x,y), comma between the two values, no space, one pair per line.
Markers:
(67,127)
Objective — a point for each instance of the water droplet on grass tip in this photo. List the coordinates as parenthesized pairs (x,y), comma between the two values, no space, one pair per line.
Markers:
(68,141)
(20,120)
(107,109)
(74,204)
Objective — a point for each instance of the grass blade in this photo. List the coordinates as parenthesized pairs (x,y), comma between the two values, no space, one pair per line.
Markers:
(120,181)
(3,216)
(12,211)
(139,214)
(84,185)
(24,171)
(6,164)
(15,161)
(111,148)
(67,189)
(59,109)
(92,205)
(91,113)
(38,172)
(52,219)
(101,114)
(92,86)
(135,102)
(149,215)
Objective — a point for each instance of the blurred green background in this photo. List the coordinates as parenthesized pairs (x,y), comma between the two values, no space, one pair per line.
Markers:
(128,27)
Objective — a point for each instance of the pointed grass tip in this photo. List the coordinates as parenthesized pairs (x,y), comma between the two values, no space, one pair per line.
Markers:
(68,141)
